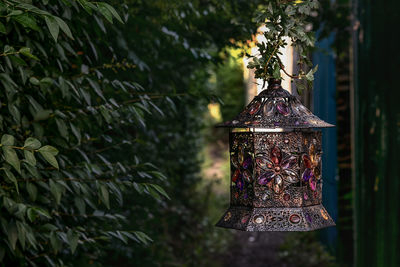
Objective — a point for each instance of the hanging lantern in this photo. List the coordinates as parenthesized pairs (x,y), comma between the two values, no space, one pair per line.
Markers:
(275,156)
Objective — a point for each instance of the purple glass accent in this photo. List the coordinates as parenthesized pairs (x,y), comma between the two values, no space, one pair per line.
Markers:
(313,184)
(266,177)
(307,174)
(255,108)
(308,217)
(247,163)
(283,108)
(240,184)
(289,162)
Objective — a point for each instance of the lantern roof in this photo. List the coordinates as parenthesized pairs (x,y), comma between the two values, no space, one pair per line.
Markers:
(276,108)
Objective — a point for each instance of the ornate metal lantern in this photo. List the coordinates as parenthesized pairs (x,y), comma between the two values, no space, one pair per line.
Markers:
(276,182)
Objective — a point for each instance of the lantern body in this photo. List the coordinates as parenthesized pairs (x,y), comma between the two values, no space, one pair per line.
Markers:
(276,179)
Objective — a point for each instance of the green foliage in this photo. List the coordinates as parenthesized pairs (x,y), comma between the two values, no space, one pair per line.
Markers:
(285,19)
(230,87)
(58,94)
(311,254)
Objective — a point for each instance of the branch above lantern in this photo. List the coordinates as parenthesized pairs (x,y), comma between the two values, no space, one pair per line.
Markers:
(286,19)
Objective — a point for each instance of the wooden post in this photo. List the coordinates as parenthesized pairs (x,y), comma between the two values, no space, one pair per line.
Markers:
(377,132)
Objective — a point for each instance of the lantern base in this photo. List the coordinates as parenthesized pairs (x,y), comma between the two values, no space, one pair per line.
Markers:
(276,219)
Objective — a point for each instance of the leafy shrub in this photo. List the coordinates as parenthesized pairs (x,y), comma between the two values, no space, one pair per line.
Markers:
(58,94)
(122,103)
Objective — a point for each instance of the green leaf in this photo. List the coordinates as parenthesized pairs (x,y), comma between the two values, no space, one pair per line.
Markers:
(49,153)
(21,234)
(153,192)
(31,214)
(7,140)
(80,204)
(32,191)
(160,190)
(139,188)
(30,157)
(72,238)
(12,178)
(34,81)
(64,27)
(62,128)
(42,212)
(26,51)
(53,26)
(12,234)
(56,191)
(27,21)
(277,72)
(105,195)
(76,131)
(142,237)
(15,13)
(11,158)
(55,242)
(32,143)
(106,114)
(17,60)
(34,212)
(105,11)
(87,6)
(113,11)
(42,114)
(2,28)
(310,74)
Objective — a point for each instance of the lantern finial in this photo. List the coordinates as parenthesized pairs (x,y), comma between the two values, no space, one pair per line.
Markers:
(274,83)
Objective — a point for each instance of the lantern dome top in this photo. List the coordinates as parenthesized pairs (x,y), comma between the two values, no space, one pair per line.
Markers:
(276,108)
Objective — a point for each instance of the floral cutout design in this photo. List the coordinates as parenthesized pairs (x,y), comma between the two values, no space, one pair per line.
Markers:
(276,106)
(278,169)
(242,161)
(312,173)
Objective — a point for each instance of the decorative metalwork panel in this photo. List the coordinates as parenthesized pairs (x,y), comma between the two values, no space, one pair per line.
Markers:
(276,108)
(287,169)
(276,219)
(242,168)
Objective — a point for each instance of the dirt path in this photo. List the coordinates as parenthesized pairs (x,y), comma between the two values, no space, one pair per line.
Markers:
(255,250)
